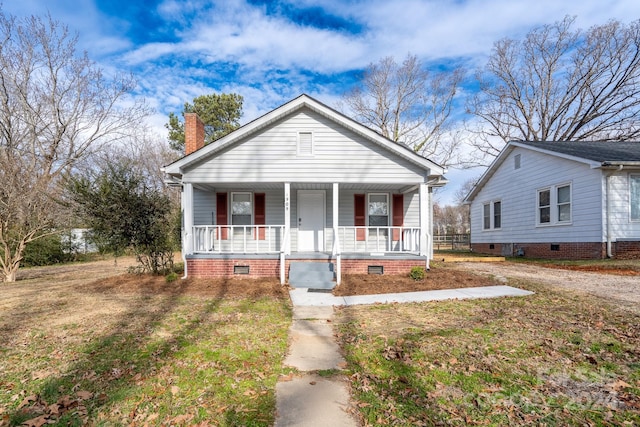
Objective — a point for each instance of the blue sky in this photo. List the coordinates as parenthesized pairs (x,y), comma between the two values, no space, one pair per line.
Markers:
(271,51)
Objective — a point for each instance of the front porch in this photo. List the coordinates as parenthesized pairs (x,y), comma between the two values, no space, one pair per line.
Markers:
(260,230)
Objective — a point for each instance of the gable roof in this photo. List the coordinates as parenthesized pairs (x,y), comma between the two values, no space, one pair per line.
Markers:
(303,101)
(601,152)
(595,154)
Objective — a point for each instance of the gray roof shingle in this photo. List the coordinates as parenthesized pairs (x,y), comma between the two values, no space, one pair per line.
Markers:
(598,151)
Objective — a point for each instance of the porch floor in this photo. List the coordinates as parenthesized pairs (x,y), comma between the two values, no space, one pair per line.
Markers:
(311,255)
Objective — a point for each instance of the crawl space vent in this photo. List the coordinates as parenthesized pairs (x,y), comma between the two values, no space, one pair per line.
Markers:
(240,269)
(375,269)
(555,247)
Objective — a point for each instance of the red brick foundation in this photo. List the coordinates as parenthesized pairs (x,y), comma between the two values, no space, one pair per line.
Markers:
(627,249)
(562,250)
(216,267)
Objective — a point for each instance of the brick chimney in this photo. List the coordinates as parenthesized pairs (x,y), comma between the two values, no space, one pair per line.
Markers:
(193,133)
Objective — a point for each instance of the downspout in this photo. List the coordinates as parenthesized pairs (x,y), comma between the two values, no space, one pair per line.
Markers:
(608,208)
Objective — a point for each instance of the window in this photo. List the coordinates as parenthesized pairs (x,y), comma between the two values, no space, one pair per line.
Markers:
(492,215)
(544,206)
(305,144)
(634,197)
(486,216)
(241,209)
(378,212)
(497,214)
(564,203)
(554,205)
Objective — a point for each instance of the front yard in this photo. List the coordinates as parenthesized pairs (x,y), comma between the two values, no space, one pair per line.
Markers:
(77,352)
(554,358)
(81,346)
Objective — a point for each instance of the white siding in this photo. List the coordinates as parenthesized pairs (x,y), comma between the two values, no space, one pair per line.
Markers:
(517,190)
(412,209)
(338,156)
(621,224)
(204,206)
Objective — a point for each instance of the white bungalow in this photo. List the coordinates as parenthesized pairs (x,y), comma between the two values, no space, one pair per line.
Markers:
(303,183)
(568,200)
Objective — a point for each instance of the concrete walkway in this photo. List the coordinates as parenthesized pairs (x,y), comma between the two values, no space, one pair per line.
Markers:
(312,400)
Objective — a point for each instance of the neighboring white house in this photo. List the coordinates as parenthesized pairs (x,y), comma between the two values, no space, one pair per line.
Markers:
(302,182)
(570,200)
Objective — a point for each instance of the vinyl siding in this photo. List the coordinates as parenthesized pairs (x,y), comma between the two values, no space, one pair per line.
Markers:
(621,224)
(517,191)
(339,155)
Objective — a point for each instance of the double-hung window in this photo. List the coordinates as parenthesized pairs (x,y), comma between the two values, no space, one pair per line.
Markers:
(241,209)
(554,205)
(634,196)
(378,213)
(492,215)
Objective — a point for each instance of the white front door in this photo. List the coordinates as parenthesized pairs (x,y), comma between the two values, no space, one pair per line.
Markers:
(311,217)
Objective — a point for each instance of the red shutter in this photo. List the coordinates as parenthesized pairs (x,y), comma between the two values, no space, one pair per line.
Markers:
(398,215)
(360,216)
(221,214)
(259,213)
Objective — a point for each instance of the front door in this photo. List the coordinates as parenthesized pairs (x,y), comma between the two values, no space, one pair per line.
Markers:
(311,217)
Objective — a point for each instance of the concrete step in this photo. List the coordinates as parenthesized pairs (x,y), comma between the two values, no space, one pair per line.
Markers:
(314,275)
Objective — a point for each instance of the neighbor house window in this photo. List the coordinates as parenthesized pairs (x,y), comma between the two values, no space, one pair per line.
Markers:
(492,215)
(378,212)
(486,216)
(241,208)
(497,214)
(554,205)
(634,197)
(305,144)
(544,206)
(564,203)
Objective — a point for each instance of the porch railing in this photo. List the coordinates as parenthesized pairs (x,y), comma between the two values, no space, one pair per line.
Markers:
(263,239)
(380,239)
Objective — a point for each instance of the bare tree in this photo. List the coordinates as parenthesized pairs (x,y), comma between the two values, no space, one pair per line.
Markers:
(408,104)
(561,84)
(56,107)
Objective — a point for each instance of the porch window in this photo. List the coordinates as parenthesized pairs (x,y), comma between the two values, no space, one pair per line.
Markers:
(634,197)
(241,209)
(378,213)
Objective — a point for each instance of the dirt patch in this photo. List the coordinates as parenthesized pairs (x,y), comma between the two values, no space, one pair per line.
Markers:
(445,277)
(218,288)
(627,270)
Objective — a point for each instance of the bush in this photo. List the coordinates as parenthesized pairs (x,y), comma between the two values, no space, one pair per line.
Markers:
(47,250)
(417,273)
(171,277)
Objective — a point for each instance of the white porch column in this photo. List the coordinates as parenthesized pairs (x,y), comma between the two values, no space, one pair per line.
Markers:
(187,212)
(287,218)
(424,219)
(337,251)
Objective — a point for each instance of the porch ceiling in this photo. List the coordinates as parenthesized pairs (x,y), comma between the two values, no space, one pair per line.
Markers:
(303,186)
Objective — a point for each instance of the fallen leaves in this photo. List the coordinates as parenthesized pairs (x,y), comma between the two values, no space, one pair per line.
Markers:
(45,413)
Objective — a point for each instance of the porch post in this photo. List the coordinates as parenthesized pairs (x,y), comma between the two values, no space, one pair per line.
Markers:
(187,212)
(287,218)
(336,239)
(286,239)
(424,219)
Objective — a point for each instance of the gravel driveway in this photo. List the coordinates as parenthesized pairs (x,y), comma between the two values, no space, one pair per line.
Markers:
(622,290)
